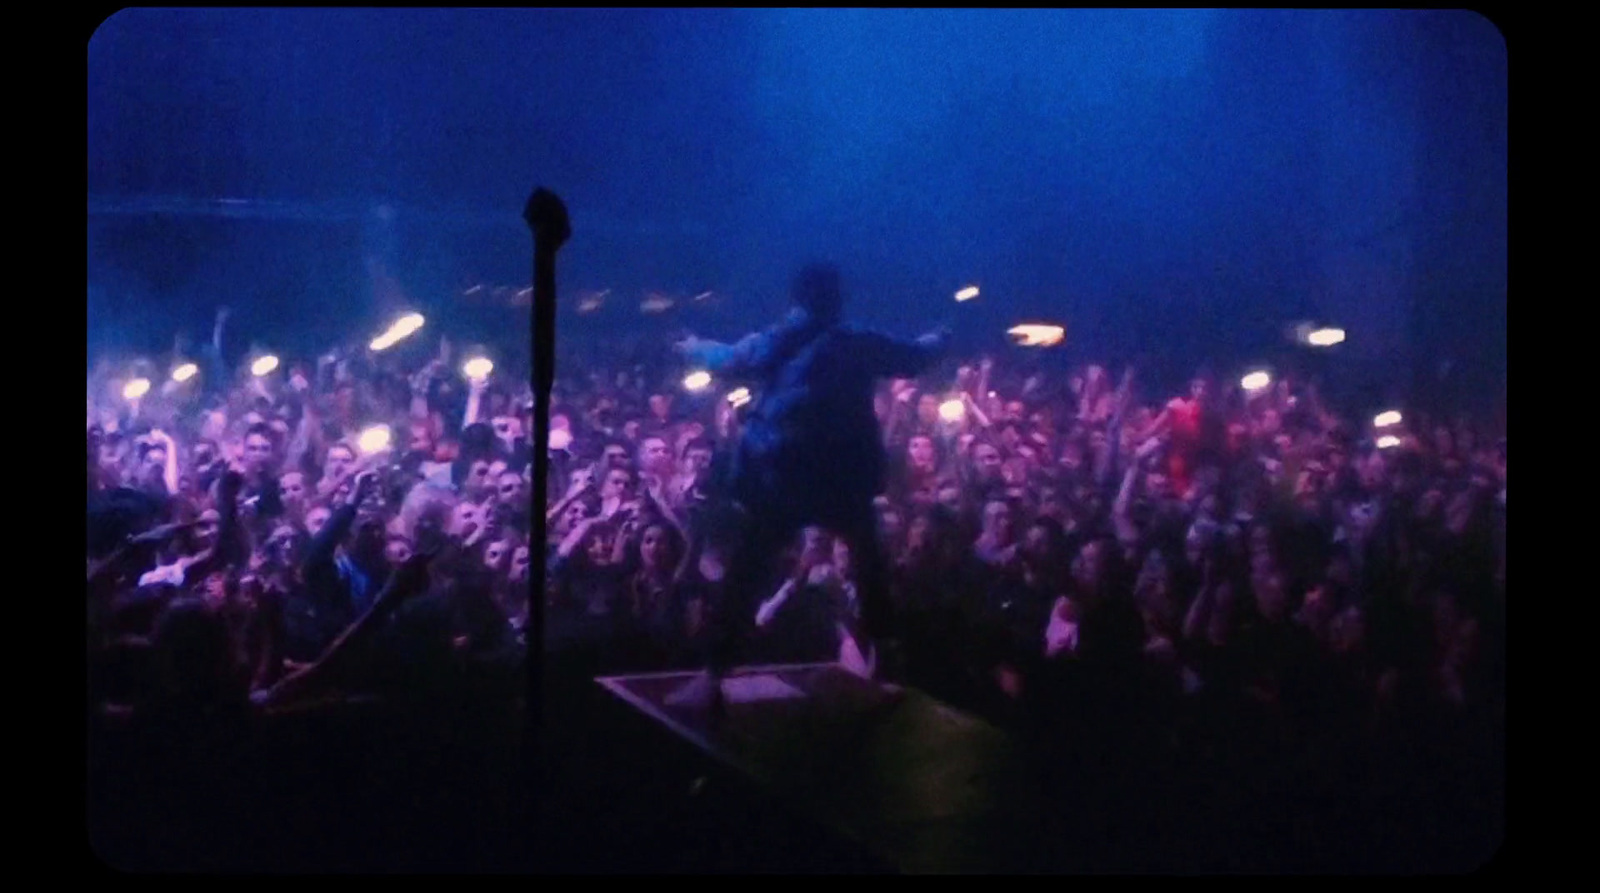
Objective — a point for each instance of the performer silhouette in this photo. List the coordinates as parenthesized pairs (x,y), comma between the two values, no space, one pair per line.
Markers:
(811,453)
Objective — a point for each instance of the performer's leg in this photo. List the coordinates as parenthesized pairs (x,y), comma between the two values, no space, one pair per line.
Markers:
(859,529)
(761,540)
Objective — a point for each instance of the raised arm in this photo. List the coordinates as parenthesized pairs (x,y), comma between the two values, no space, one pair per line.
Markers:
(658,498)
(217,376)
(307,435)
(619,545)
(1124,399)
(769,608)
(319,557)
(985,374)
(575,493)
(169,471)
(575,538)
(1121,509)
(421,383)
(1158,426)
(474,402)
(974,412)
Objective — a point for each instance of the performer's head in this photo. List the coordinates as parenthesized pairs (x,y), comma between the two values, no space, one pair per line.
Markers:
(817,292)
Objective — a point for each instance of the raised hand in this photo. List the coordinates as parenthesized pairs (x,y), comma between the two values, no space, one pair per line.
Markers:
(362,488)
(582,485)
(423,380)
(546,216)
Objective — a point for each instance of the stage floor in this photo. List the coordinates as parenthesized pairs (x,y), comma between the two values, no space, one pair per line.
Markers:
(923,787)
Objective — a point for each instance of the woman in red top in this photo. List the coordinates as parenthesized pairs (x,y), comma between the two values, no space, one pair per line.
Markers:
(1184,420)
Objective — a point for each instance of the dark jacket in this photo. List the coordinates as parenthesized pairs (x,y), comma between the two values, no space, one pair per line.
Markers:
(812,442)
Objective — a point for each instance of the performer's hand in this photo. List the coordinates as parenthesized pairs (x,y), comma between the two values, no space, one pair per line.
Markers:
(546,216)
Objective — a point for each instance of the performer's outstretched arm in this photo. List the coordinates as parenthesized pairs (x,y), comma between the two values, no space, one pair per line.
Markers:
(748,356)
(900,358)
(724,359)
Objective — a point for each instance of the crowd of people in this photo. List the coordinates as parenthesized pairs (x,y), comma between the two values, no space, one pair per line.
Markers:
(1240,580)
(247,519)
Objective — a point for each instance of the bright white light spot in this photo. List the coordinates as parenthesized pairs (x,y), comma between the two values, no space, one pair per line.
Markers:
(739,397)
(967,294)
(136,388)
(185,372)
(1387,419)
(264,366)
(1037,335)
(374,439)
(697,381)
(1325,337)
(952,410)
(1255,381)
(477,368)
(403,328)
(1388,442)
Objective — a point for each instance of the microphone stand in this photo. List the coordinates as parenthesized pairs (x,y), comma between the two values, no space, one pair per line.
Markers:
(547,219)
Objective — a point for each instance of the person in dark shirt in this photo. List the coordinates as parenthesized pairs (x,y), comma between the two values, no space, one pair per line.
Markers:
(811,452)
(339,584)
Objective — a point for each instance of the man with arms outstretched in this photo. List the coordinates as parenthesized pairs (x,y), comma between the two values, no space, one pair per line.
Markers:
(811,453)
